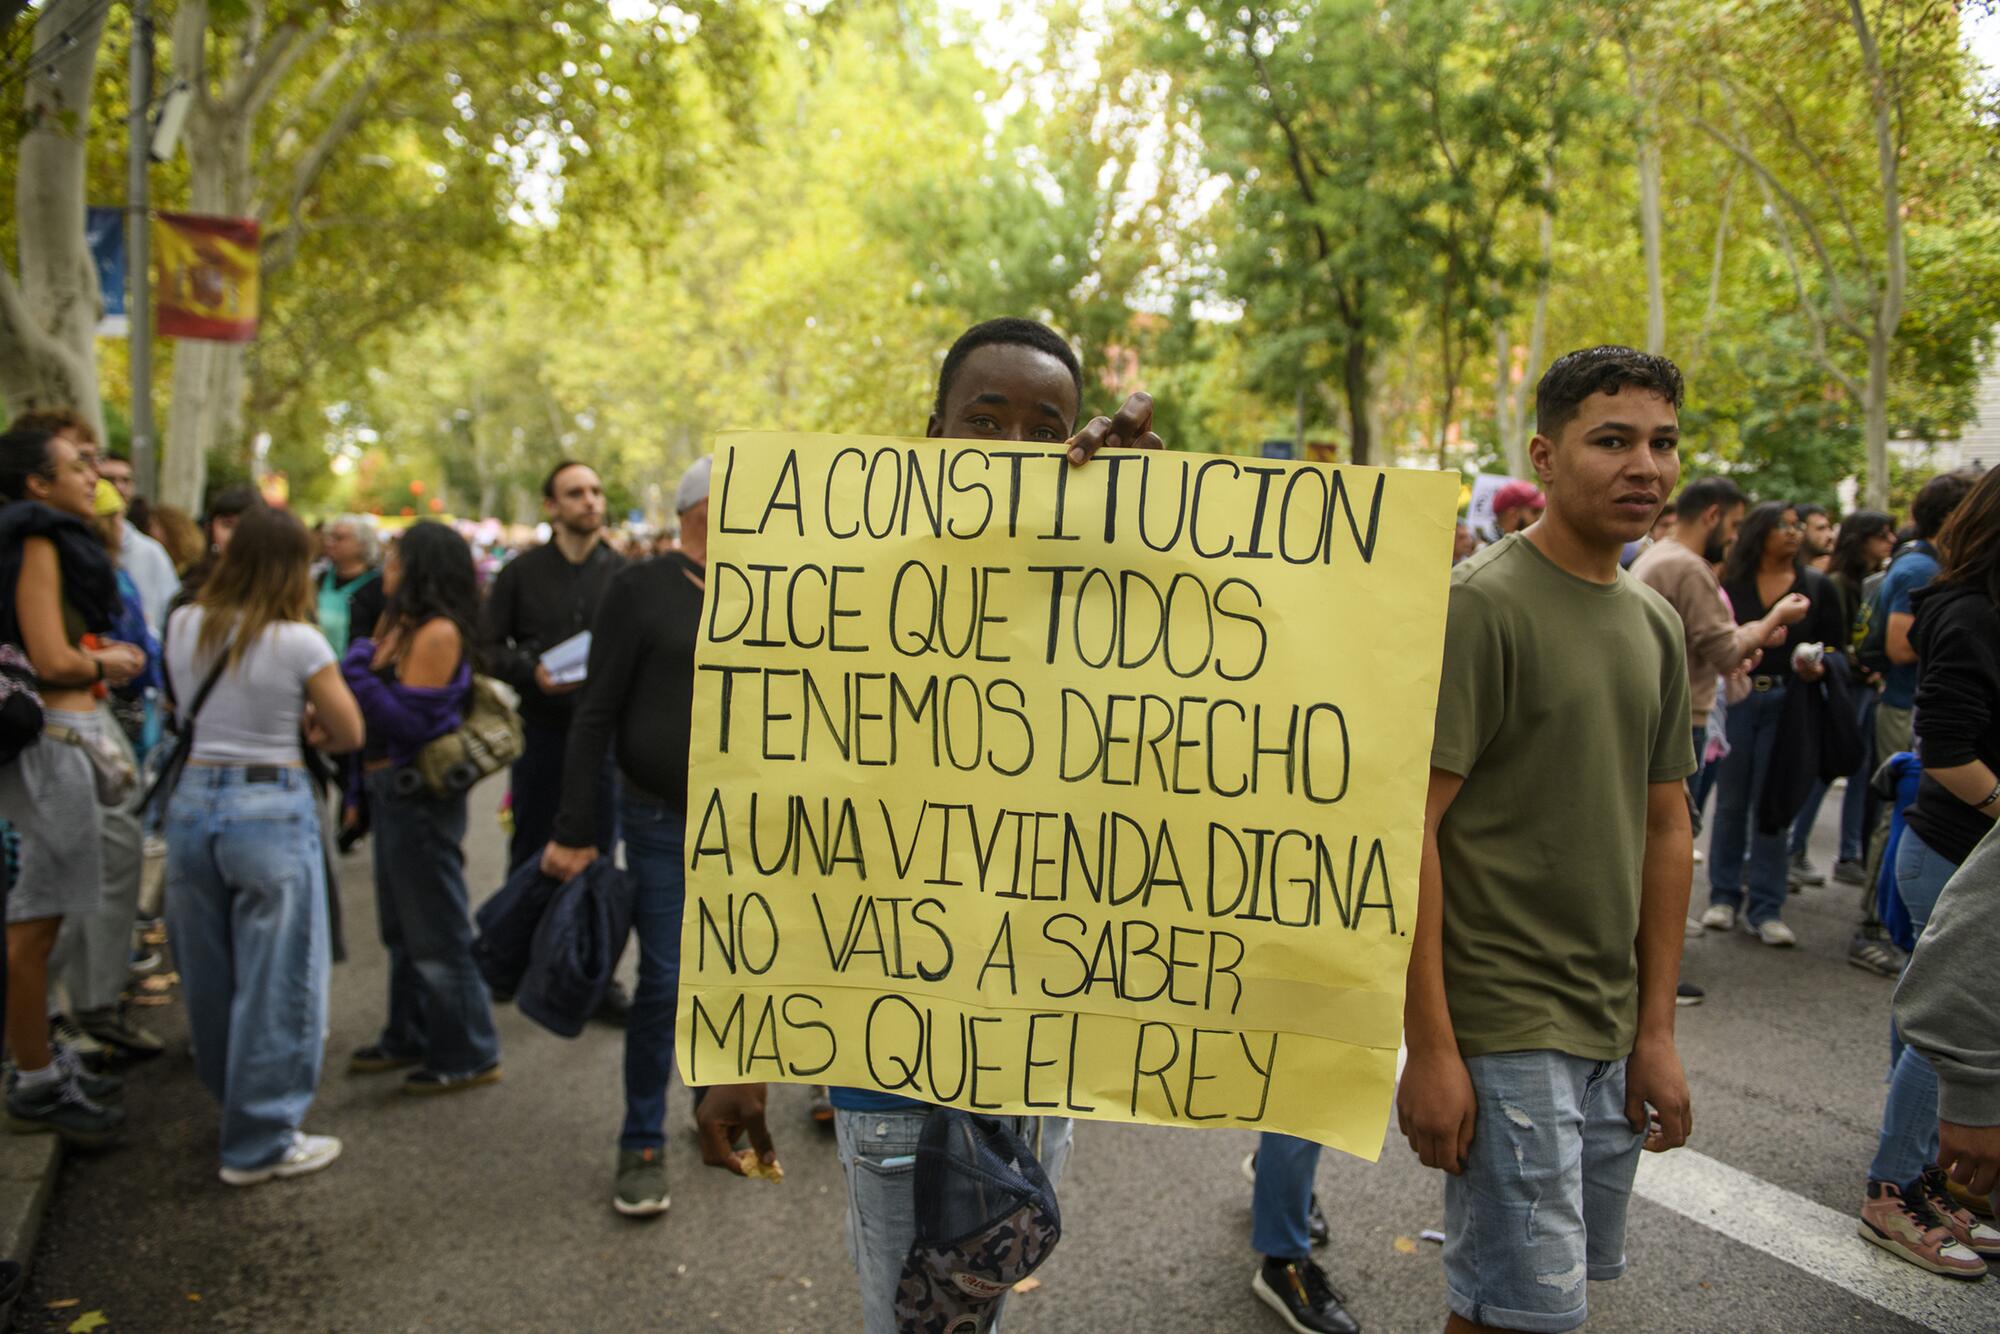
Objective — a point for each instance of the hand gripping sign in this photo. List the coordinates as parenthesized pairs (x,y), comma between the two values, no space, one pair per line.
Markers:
(1033,789)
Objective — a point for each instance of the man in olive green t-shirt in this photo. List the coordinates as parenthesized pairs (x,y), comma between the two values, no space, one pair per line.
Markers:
(1557,860)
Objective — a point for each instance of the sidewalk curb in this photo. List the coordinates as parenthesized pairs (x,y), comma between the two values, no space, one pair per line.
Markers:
(28,1165)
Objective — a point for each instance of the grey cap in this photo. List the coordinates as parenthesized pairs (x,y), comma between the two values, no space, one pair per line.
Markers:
(694,485)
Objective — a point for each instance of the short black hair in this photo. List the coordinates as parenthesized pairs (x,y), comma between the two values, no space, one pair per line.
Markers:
(1940,496)
(1699,494)
(549,482)
(1575,376)
(114,456)
(1808,510)
(1005,331)
(231,501)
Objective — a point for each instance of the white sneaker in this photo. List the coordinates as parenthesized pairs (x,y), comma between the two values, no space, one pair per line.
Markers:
(1775,932)
(1719,917)
(309,1153)
(1694,928)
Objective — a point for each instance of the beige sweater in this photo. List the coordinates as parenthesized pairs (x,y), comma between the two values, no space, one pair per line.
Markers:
(1683,578)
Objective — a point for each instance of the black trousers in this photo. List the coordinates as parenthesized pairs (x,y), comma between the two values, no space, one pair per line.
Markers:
(537,786)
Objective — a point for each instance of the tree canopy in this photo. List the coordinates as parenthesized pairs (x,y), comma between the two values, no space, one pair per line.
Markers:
(498,234)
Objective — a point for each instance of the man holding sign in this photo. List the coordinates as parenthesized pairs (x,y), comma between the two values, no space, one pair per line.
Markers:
(949,899)
(1556,865)
(1004,380)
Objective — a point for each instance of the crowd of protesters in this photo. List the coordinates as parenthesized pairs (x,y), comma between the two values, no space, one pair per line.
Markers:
(244,697)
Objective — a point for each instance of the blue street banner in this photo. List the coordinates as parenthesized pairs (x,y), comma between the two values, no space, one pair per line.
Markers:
(104,230)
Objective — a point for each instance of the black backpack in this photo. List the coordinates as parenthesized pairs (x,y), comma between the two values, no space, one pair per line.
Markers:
(1871,628)
(20,704)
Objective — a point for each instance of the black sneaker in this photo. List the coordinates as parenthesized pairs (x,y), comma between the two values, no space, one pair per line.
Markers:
(616,1007)
(1803,874)
(1316,1229)
(1872,951)
(429,1083)
(116,1032)
(822,1106)
(96,1087)
(61,1108)
(1850,872)
(376,1059)
(12,1279)
(1689,994)
(1299,1292)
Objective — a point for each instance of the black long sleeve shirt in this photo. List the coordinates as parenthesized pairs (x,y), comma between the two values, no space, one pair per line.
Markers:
(1822,625)
(1957,638)
(640,691)
(537,601)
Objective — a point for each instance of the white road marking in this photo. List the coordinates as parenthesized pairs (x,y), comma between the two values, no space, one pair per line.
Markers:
(1825,1243)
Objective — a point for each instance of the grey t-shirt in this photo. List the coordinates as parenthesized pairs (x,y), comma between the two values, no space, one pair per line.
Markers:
(1561,701)
(252,715)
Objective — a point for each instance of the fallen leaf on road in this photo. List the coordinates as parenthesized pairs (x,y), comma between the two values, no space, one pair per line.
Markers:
(1028,1284)
(152,1000)
(755,1167)
(194,1296)
(88,1321)
(64,1303)
(159,983)
(1406,1246)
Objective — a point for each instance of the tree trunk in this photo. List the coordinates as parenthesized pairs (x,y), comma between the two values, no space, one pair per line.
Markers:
(1359,387)
(1889,307)
(1648,135)
(48,321)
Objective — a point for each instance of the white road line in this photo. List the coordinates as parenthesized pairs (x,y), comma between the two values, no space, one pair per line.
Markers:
(1812,1237)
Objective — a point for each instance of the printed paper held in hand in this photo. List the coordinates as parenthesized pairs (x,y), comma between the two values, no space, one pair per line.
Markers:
(568,661)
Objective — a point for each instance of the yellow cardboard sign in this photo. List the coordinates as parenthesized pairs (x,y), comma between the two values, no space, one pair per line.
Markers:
(1032,789)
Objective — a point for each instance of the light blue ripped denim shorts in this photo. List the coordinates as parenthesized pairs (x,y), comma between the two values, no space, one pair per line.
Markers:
(1541,1205)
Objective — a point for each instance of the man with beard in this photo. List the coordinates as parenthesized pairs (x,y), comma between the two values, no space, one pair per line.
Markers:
(1681,568)
(540,599)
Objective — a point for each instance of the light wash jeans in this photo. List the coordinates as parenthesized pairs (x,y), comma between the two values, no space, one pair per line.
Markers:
(246,909)
(1540,1207)
(878,1155)
(1281,1200)
(1909,1138)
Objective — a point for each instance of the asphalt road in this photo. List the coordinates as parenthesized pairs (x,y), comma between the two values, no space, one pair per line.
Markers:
(490,1211)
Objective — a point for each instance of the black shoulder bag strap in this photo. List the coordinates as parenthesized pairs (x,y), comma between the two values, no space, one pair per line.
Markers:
(170,770)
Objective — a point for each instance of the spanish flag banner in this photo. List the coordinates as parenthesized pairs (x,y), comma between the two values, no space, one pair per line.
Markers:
(205,277)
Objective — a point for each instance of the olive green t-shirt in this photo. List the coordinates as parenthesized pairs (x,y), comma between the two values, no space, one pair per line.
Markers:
(1562,699)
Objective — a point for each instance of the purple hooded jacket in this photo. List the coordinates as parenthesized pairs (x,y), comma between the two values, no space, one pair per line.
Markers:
(405,717)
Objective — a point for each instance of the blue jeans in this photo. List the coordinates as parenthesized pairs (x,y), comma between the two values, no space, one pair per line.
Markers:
(878,1156)
(439,1011)
(246,907)
(1753,736)
(1909,1139)
(653,833)
(1808,816)
(1541,1204)
(1281,1201)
